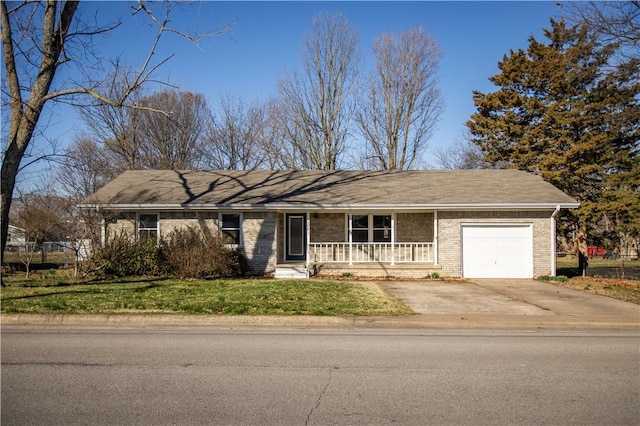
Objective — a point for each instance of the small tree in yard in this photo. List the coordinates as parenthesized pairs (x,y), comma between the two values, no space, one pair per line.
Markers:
(26,252)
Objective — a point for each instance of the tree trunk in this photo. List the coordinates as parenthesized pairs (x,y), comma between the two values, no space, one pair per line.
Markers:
(10,165)
(581,240)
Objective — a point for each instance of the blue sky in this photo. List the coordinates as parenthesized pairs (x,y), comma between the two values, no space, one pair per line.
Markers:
(266,38)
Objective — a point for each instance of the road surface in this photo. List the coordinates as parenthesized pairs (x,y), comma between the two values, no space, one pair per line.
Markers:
(184,376)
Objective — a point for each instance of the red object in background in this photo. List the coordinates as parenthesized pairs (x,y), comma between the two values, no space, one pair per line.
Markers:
(596,252)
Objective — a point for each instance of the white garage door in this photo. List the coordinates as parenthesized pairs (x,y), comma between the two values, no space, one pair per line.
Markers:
(497,251)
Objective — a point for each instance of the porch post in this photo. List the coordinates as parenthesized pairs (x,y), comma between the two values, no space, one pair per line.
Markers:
(393,238)
(435,237)
(308,253)
(350,239)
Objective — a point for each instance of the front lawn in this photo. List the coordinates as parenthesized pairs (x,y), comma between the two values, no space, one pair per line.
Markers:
(216,297)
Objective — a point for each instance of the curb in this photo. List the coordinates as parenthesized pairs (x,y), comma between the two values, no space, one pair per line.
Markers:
(420,322)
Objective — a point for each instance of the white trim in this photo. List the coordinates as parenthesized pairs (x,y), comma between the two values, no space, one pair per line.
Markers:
(393,238)
(338,207)
(308,241)
(435,237)
(103,232)
(349,224)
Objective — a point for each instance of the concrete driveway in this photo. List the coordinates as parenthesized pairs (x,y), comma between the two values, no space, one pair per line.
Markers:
(504,297)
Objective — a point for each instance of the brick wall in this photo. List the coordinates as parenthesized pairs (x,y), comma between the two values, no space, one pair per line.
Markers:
(414,227)
(207,222)
(449,237)
(258,232)
(280,236)
(328,228)
(124,223)
(259,238)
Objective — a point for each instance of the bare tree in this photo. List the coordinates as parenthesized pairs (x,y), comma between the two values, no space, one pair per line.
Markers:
(48,217)
(169,129)
(402,101)
(85,168)
(613,22)
(233,138)
(38,39)
(115,126)
(463,154)
(162,132)
(317,103)
(279,153)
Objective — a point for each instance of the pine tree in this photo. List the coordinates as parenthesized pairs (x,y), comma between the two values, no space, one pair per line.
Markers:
(564,111)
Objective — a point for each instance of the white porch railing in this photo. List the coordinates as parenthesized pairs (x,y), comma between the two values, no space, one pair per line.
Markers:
(371,252)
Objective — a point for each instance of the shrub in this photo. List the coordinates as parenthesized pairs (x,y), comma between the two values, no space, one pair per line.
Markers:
(559,278)
(192,253)
(121,257)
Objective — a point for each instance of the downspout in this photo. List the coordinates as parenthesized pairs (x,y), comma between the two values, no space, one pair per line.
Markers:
(553,240)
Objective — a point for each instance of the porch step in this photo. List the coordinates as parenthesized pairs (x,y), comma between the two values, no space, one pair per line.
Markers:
(296,272)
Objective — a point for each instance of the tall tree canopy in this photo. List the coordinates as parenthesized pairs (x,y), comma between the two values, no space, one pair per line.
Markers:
(233,139)
(561,111)
(402,101)
(317,102)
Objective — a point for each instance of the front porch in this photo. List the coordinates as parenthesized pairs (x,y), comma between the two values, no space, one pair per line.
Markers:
(358,244)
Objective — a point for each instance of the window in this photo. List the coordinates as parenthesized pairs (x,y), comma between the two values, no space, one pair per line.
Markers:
(359,229)
(147,227)
(381,229)
(230,227)
(371,228)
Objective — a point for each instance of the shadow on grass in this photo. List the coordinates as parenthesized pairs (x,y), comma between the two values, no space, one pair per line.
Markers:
(43,283)
(151,284)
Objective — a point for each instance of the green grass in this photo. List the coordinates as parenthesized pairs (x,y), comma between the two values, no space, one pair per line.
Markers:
(218,297)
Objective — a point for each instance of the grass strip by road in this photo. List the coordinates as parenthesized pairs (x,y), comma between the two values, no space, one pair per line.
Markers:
(216,297)
(626,290)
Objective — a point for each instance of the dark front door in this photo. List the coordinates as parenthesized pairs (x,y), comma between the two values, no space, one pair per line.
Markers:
(296,237)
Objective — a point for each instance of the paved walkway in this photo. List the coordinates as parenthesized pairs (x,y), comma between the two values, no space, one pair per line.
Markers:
(496,304)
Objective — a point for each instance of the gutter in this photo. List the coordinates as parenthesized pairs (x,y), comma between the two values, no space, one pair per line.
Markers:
(331,207)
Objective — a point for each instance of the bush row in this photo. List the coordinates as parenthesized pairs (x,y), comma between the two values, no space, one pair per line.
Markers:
(186,253)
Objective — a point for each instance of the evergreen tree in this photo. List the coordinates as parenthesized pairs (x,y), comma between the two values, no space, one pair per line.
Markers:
(562,110)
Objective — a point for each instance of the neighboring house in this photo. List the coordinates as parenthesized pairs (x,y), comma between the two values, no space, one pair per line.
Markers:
(16,237)
(471,223)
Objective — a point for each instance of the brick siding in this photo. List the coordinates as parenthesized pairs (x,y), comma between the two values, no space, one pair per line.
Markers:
(450,239)
(259,241)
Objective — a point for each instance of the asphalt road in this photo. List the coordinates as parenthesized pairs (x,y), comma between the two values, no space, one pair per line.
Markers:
(61,375)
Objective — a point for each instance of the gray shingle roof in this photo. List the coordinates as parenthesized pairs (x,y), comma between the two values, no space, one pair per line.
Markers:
(328,189)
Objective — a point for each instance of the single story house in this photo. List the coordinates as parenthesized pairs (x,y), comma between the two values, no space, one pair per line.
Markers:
(16,237)
(470,223)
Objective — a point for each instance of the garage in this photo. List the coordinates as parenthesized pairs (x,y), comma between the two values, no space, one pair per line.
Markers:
(497,251)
